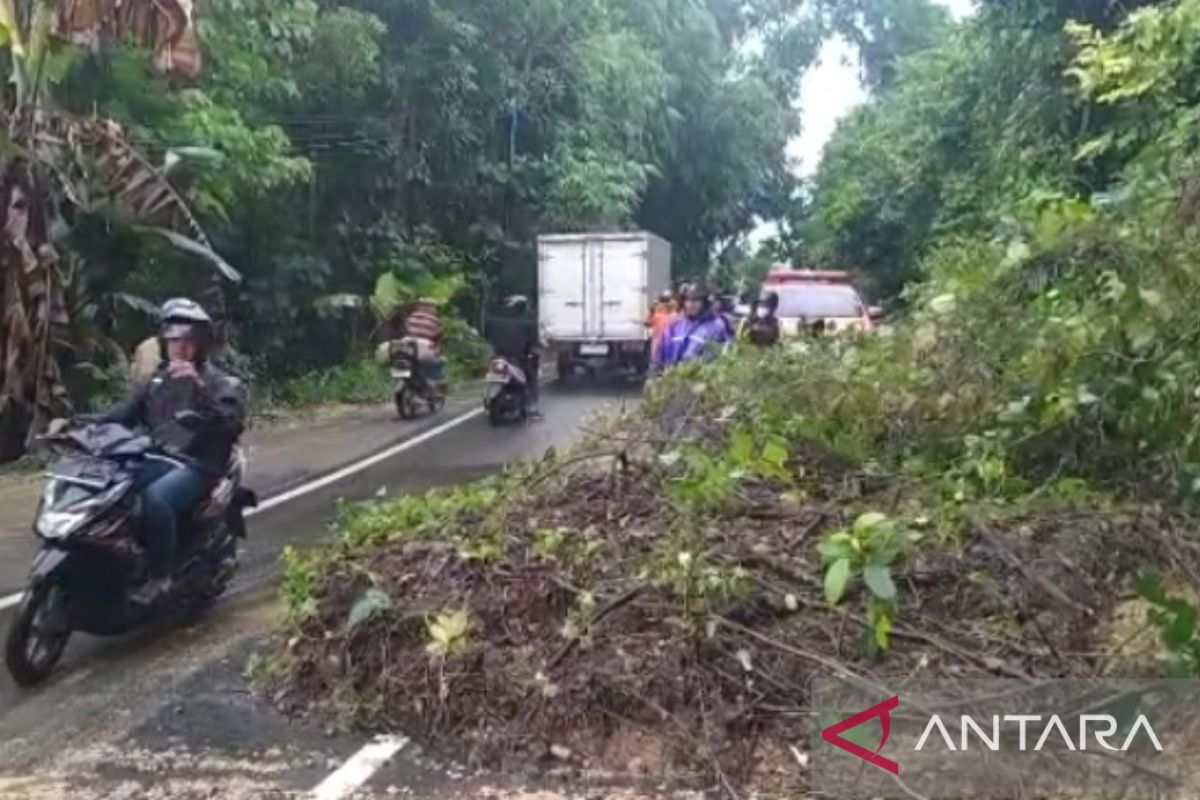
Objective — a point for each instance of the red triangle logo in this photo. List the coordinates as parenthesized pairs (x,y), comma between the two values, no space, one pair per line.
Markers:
(833,734)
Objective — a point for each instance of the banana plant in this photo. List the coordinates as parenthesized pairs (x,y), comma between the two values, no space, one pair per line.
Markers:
(54,165)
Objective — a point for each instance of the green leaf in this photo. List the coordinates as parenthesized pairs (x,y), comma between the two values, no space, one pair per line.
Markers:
(1182,628)
(836,579)
(836,546)
(447,632)
(776,454)
(189,245)
(879,580)
(388,296)
(883,630)
(865,523)
(373,602)
(741,447)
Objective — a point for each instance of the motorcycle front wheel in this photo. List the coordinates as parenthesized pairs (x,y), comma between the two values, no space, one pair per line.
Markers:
(38,634)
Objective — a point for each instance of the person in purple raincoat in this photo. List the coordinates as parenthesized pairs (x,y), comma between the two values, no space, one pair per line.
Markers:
(696,333)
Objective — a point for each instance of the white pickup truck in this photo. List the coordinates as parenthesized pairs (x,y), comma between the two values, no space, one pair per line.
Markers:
(595,292)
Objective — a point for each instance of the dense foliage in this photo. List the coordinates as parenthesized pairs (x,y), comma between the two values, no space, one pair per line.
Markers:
(432,141)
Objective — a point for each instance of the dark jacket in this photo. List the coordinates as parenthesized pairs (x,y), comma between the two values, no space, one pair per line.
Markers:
(218,399)
(763,330)
(514,338)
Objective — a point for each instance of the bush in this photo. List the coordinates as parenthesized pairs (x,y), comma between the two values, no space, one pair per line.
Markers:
(360,381)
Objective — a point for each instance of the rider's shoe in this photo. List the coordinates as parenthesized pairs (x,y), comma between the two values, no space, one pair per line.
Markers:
(151,591)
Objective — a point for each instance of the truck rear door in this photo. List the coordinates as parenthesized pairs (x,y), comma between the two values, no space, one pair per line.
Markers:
(619,271)
(562,288)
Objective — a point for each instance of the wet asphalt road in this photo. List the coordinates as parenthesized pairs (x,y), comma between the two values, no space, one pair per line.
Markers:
(142,698)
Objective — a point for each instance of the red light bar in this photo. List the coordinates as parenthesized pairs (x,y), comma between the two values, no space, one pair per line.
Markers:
(780,276)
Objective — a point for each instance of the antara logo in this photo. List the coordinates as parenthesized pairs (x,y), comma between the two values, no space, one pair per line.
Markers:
(1101,726)
(833,734)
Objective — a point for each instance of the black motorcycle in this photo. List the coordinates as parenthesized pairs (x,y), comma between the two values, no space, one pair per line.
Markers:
(505,392)
(413,388)
(91,558)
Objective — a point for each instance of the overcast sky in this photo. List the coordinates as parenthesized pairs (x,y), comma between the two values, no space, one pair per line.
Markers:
(830,90)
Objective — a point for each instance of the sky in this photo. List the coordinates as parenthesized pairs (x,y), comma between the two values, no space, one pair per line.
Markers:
(828,92)
(831,90)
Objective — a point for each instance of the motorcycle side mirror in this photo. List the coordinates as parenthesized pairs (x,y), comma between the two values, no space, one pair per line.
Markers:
(189,419)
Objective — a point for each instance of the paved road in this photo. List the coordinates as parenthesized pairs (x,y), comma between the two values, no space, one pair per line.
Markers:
(281,454)
(165,713)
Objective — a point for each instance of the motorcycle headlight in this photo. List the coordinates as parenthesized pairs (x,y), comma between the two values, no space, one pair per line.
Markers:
(60,522)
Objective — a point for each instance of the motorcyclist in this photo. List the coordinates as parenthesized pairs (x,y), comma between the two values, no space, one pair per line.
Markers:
(423,327)
(195,414)
(696,333)
(762,329)
(514,336)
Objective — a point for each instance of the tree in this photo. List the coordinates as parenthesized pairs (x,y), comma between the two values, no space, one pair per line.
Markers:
(59,168)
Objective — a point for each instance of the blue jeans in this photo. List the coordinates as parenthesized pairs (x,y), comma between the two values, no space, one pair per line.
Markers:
(170,493)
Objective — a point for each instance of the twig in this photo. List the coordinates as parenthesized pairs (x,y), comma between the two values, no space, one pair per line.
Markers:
(610,607)
(837,667)
(1031,574)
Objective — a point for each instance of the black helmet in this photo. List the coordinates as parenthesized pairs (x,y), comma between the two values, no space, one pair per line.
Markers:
(183,318)
(696,291)
(771,300)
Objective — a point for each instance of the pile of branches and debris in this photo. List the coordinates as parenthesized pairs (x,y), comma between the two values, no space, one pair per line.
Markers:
(658,600)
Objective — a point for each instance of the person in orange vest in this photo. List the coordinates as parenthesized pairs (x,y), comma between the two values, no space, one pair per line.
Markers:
(660,318)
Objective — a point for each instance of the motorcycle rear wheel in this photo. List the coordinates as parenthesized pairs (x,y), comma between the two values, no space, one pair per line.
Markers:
(496,412)
(405,407)
(30,651)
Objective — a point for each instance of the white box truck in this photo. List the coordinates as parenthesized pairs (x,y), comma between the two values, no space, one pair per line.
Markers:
(595,292)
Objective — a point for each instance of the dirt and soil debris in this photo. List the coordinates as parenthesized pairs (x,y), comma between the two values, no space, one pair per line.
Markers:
(589,622)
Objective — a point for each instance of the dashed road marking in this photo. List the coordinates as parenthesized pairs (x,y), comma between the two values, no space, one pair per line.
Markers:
(359,768)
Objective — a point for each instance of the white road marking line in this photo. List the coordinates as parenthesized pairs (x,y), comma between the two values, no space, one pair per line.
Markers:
(359,768)
(325,480)
(359,466)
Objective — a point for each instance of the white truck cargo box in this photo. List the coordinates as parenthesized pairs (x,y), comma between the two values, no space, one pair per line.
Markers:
(599,287)
(595,292)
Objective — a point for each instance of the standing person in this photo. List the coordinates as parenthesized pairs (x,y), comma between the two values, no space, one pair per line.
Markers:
(514,336)
(763,328)
(726,309)
(196,452)
(660,317)
(696,333)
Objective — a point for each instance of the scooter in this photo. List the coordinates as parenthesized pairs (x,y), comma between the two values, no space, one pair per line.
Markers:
(412,388)
(91,559)
(506,388)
